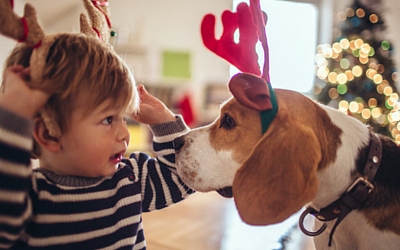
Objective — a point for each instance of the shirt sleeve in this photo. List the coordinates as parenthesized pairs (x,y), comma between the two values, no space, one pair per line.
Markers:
(161,185)
(15,176)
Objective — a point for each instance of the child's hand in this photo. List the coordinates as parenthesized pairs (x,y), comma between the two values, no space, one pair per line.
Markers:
(151,110)
(17,96)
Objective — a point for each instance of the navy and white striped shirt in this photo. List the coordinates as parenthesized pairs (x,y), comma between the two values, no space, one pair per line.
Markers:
(42,210)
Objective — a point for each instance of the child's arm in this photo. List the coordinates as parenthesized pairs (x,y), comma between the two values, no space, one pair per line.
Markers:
(18,105)
(161,186)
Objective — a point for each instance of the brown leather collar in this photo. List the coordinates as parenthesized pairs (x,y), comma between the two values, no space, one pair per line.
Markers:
(353,198)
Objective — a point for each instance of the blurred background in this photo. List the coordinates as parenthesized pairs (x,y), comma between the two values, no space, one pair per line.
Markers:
(342,53)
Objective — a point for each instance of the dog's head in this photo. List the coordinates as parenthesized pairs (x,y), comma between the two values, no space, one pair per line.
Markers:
(264,156)
(272,175)
(209,156)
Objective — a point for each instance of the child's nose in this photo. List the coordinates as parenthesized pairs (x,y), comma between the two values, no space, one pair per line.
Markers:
(124,134)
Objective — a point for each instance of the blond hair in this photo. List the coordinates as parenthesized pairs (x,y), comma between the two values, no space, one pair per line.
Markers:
(79,67)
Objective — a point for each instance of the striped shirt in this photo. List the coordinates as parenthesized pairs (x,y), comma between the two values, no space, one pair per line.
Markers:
(42,210)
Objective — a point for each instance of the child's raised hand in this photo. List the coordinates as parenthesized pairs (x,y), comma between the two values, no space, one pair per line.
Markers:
(151,110)
(17,96)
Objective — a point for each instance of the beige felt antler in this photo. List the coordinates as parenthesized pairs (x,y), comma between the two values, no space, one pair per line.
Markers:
(24,29)
(99,23)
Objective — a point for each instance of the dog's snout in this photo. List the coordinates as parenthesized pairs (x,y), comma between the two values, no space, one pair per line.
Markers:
(179,142)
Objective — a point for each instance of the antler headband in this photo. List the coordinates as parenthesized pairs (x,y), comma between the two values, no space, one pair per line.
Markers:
(252,88)
(27,30)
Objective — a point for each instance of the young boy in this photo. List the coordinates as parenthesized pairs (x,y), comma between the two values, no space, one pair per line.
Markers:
(84,195)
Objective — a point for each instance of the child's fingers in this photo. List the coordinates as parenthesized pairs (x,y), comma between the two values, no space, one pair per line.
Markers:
(16,68)
(26,71)
(142,91)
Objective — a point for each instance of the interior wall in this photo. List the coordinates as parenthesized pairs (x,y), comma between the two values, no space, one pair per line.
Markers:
(153,26)
(149,27)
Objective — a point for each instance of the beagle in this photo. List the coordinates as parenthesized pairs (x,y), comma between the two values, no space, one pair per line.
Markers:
(311,156)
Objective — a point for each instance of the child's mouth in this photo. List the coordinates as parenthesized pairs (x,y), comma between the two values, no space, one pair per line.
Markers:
(117,158)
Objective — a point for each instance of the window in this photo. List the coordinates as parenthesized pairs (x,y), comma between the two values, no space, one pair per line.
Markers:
(292,37)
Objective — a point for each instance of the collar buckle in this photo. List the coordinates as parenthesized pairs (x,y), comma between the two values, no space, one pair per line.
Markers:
(361,180)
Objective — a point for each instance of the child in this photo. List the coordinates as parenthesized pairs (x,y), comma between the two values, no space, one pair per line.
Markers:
(84,195)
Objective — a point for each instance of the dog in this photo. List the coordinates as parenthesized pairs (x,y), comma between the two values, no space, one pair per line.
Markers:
(311,156)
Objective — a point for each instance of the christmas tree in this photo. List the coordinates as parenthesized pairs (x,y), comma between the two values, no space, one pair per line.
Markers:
(356,73)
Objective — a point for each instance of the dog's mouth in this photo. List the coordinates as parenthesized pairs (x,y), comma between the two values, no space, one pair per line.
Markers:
(225,192)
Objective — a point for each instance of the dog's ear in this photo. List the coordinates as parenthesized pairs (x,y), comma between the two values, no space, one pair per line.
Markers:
(279,177)
(251,91)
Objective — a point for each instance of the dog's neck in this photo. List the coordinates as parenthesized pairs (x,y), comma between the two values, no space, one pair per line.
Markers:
(355,196)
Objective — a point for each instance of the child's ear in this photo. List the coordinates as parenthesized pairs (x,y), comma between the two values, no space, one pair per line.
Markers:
(43,138)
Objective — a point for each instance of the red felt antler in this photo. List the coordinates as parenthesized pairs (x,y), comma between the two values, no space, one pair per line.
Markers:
(242,55)
(260,19)
(252,90)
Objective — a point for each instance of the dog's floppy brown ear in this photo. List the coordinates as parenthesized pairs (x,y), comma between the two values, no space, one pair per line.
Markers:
(279,177)
(251,91)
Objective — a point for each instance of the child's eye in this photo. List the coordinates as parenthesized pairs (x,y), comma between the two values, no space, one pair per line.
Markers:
(107,121)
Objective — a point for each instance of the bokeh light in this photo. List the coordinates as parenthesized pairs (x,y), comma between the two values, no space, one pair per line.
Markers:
(342,66)
(373,18)
(357,71)
(385,45)
(342,89)
(360,13)
(344,43)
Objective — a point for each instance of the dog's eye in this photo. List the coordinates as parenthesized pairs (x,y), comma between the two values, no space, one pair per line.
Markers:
(227,122)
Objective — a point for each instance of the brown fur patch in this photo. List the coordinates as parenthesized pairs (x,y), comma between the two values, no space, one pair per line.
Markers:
(241,139)
(306,111)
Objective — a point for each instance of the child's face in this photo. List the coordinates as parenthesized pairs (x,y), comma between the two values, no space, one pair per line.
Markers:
(94,144)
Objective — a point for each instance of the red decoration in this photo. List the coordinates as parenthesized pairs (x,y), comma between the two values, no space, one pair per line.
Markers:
(186,110)
(242,55)
(251,87)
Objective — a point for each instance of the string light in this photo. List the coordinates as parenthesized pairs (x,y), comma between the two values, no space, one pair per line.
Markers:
(350,75)
(349,12)
(366,114)
(360,13)
(385,45)
(372,102)
(332,77)
(344,63)
(373,18)
(333,94)
(341,16)
(378,78)
(344,43)
(353,107)
(395,76)
(342,89)
(343,106)
(341,78)
(336,48)
(357,70)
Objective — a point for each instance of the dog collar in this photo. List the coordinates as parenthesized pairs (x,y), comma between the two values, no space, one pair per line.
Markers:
(353,198)
(268,115)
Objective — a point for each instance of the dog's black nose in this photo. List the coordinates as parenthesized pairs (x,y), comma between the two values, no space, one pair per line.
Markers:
(179,142)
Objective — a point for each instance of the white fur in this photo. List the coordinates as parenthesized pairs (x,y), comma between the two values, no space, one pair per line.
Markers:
(214,170)
(336,178)
(354,232)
